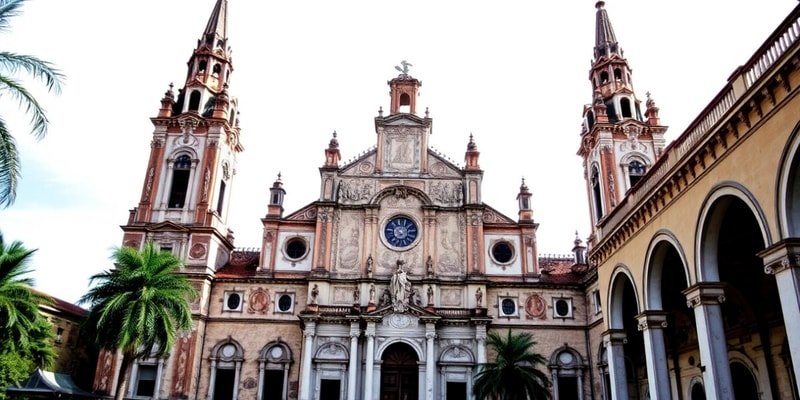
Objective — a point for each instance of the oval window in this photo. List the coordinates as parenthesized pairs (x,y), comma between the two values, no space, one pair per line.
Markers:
(502,252)
(562,308)
(296,248)
(234,301)
(508,306)
(285,303)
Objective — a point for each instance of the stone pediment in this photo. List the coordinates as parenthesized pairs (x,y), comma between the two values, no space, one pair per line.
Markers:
(166,226)
(492,216)
(442,167)
(402,119)
(412,310)
(307,213)
(361,165)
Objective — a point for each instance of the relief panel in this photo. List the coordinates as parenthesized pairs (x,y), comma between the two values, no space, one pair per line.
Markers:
(446,193)
(402,149)
(349,237)
(450,239)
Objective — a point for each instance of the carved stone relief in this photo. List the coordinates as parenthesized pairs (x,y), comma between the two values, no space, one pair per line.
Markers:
(342,294)
(355,191)
(439,168)
(402,149)
(535,307)
(351,225)
(450,239)
(446,193)
(412,259)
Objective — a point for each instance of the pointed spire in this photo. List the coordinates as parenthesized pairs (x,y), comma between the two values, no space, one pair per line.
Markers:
(605,39)
(332,155)
(471,156)
(524,202)
(217,26)
(276,193)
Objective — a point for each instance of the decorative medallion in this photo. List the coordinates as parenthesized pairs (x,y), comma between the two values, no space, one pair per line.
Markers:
(535,307)
(400,232)
(399,320)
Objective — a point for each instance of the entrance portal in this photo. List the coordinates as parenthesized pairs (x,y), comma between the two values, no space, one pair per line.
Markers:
(399,373)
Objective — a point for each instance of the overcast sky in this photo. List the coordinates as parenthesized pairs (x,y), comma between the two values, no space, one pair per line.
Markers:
(513,73)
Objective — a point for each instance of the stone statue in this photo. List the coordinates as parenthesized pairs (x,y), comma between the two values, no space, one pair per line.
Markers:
(314,294)
(404,69)
(430,295)
(355,295)
(400,288)
(478,298)
(372,293)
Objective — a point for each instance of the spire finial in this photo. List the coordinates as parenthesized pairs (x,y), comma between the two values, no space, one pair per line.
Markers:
(471,146)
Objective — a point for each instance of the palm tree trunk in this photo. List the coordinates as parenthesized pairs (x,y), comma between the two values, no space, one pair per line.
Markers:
(122,382)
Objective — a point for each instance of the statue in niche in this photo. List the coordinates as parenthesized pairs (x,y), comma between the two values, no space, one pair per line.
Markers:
(478,298)
(386,298)
(400,288)
(430,295)
(371,293)
(314,294)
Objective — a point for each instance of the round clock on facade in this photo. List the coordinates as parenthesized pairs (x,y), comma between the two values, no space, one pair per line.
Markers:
(400,232)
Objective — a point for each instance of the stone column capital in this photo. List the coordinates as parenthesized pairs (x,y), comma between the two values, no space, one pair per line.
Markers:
(781,256)
(652,320)
(705,293)
(614,337)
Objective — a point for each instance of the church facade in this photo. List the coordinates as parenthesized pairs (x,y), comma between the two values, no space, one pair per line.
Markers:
(387,285)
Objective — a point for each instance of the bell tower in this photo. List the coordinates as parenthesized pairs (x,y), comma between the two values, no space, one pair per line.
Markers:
(190,172)
(619,143)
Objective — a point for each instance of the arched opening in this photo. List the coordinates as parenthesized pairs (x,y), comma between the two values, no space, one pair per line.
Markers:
(751,312)
(566,366)
(623,309)
(405,103)
(603,77)
(697,393)
(217,69)
(636,171)
(597,200)
(666,279)
(226,361)
(590,119)
(617,74)
(274,363)
(744,384)
(180,181)
(625,104)
(194,101)
(201,66)
(399,373)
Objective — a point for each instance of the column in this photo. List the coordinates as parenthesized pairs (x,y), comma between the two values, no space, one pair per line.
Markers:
(783,260)
(480,337)
(580,385)
(132,378)
(212,379)
(353,367)
(706,299)
(614,340)
(308,354)
(260,392)
(554,379)
(370,356)
(652,324)
(157,388)
(236,374)
(430,357)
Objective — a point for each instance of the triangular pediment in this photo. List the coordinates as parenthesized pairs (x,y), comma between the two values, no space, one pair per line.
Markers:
(442,166)
(411,309)
(361,165)
(401,119)
(492,216)
(166,226)
(307,213)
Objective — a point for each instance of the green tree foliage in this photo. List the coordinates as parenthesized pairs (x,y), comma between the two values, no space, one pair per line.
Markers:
(138,307)
(26,335)
(10,65)
(513,375)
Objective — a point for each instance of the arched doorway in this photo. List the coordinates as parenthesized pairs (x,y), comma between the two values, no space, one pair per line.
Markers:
(399,373)
(744,385)
(698,393)
(626,351)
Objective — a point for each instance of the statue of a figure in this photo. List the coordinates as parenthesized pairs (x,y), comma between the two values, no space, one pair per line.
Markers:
(371,293)
(478,298)
(430,295)
(400,288)
(404,69)
(355,295)
(314,294)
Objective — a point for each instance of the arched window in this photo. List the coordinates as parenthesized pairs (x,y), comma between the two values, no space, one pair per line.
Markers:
(273,376)
(617,74)
(603,77)
(567,368)
(636,171)
(194,101)
(146,377)
(590,119)
(217,69)
(625,104)
(202,65)
(226,363)
(596,193)
(180,181)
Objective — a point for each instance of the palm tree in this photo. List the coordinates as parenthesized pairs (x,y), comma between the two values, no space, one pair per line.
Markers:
(10,64)
(513,374)
(25,334)
(138,307)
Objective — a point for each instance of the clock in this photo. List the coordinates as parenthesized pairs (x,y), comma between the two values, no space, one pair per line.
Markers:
(400,232)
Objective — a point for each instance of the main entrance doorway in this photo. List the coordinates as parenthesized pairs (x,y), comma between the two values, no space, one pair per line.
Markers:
(399,373)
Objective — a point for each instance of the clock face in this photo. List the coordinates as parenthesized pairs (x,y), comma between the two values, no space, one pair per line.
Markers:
(400,232)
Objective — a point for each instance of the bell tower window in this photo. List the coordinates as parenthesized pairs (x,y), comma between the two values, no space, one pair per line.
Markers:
(405,103)
(603,77)
(618,74)
(636,171)
(180,182)
(194,101)
(596,199)
(221,200)
(201,66)
(625,104)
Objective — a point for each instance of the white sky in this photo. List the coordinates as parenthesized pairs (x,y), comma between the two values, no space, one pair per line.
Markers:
(514,73)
